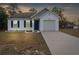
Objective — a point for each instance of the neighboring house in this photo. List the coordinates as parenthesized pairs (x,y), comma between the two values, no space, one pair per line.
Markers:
(76,27)
(70,25)
(44,20)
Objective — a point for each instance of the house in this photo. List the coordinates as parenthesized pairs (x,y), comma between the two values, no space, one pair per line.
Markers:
(76,27)
(69,25)
(44,20)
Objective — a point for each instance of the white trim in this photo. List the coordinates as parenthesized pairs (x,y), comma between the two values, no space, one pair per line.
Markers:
(32,25)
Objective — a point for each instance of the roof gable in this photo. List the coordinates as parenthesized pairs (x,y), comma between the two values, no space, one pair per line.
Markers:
(42,12)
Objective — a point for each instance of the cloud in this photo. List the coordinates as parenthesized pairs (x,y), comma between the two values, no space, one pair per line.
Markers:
(23,8)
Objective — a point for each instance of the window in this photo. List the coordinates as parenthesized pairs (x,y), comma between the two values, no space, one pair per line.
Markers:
(15,24)
(27,23)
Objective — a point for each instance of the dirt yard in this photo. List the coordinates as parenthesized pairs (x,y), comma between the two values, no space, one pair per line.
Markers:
(18,43)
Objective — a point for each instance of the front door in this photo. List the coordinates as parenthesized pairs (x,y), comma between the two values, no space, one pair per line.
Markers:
(36,24)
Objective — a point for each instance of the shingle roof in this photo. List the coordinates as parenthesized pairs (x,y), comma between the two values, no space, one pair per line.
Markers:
(22,15)
(30,14)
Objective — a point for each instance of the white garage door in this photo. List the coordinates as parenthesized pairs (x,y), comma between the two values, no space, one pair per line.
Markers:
(49,25)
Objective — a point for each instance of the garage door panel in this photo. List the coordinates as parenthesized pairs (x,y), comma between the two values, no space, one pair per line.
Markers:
(49,25)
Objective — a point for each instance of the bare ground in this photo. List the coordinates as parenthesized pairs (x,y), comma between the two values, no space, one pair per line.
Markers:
(13,43)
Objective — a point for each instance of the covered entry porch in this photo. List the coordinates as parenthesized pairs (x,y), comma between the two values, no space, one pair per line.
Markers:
(35,25)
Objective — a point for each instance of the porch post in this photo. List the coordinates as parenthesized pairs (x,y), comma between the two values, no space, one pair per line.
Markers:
(32,25)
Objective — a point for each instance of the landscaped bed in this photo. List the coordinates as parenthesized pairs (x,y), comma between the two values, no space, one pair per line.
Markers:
(16,43)
(74,32)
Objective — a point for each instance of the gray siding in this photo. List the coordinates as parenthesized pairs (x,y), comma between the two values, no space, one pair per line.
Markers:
(49,16)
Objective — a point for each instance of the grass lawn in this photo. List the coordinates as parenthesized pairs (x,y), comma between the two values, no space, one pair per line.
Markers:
(13,43)
(74,32)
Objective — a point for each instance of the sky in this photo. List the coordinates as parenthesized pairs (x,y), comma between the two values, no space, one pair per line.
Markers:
(71,10)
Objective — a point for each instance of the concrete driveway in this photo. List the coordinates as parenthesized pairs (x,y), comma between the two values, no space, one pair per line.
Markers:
(61,44)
